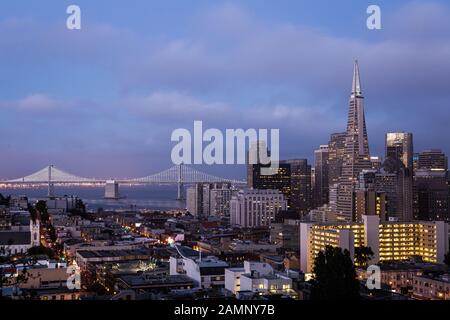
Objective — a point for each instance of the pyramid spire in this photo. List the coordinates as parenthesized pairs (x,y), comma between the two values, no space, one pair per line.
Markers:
(356,86)
(356,156)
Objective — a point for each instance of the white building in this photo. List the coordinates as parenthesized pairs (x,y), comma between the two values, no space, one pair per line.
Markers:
(256,277)
(256,208)
(208,272)
(21,234)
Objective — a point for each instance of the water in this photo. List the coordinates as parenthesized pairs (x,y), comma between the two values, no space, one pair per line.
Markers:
(141,197)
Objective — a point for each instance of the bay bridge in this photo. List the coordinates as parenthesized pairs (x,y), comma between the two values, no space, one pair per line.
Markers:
(179,175)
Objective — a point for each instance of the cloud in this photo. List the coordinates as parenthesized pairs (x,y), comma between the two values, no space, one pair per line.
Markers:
(168,106)
(251,53)
(36,102)
(231,68)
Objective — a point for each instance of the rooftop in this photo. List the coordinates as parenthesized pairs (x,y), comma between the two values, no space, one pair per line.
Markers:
(15,238)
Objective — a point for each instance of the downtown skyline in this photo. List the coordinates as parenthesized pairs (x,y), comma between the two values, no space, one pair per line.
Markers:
(97,106)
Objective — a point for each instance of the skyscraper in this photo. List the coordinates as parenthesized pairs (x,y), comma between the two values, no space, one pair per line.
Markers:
(356,154)
(206,199)
(321,186)
(281,180)
(433,159)
(431,195)
(300,198)
(336,150)
(396,181)
(399,145)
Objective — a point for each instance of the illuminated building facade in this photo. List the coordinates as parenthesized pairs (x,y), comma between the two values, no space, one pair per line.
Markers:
(336,149)
(390,241)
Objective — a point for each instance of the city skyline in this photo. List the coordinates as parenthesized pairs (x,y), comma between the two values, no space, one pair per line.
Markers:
(106,108)
(229,158)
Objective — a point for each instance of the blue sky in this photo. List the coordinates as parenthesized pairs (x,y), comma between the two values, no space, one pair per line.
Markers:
(103,101)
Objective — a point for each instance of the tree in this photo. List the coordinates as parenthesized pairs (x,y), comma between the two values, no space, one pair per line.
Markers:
(334,276)
(447,259)
(41,207)
(363,255)
(41,250)
(97,288)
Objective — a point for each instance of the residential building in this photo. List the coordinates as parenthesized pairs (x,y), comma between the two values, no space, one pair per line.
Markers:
(256,208)
(390,241)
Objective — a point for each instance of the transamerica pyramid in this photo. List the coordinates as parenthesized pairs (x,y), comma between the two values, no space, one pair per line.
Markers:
(356,155)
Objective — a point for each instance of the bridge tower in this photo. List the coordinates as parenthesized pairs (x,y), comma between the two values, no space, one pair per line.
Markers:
(180,184)
(51,189)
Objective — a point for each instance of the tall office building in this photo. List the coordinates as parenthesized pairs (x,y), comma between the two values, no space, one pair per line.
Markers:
(300,198)
(292,178)
(336,150)
(368,200)
(431,195)
(254,160)
(208,199)
(433,159)
(356,154)
(321,186)
(396,181)
(370,203)
(399,145)
(376,162)
(281,180)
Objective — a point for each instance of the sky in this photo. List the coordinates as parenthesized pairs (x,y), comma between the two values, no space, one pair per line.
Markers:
(103,101)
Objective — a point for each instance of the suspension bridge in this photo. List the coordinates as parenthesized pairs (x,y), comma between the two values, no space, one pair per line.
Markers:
(179,175)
